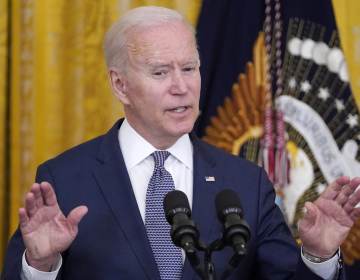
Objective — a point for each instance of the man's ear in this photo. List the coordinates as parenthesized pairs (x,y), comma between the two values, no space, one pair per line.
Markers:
(119,85)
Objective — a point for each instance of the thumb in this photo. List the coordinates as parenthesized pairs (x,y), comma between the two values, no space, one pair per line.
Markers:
(309,218)
(76,215)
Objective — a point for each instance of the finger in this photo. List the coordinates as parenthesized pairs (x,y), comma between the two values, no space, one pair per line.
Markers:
(347,191)
(35,189)
(23,217)
(309,218)
(30,205)
(355,214)
(352,202)
(48,194)
(344,194)
(76,215)
(355,181)
(332,191)
(354,184)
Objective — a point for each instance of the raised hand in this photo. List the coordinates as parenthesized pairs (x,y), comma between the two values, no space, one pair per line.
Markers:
(328,220)
(45,230)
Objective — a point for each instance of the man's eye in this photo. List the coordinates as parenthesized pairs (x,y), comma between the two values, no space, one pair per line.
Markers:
(160,73)
(189,69)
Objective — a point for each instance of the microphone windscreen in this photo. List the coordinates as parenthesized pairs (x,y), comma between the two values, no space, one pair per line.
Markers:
(175,200)
(227,201)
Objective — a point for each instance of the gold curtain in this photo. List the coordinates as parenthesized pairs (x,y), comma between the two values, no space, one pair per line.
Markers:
(348,22)
(3,101)
(59,91)
(59,88)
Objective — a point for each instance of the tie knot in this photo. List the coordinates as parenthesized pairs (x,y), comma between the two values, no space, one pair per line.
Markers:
(160,157)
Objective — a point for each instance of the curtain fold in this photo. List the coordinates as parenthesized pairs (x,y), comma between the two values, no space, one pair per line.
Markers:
(60,95)
(59,91)
(3,123)
(348,22)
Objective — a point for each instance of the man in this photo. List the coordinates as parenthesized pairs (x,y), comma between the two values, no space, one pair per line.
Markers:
(119,179)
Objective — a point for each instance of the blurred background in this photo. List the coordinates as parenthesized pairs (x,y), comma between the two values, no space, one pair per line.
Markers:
(258,58)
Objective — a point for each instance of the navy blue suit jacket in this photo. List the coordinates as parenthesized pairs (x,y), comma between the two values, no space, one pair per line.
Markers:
(112,242)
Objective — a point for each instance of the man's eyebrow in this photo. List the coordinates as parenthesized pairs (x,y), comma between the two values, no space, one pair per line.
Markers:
(157,67)
(193,61)
(154,64)
(158,64)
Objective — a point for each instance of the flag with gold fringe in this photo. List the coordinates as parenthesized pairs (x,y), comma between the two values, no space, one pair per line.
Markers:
(276,90)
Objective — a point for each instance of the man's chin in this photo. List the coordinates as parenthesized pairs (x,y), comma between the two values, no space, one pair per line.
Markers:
(179,131)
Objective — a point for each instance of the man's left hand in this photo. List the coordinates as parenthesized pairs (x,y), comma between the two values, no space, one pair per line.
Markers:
(328,220)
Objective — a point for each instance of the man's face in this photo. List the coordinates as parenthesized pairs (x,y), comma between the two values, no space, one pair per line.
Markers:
(162,83)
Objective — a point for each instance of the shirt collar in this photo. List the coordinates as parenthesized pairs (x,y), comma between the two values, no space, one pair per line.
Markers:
(135,148)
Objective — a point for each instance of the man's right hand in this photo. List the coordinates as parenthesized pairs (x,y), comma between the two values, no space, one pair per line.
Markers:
(45,230)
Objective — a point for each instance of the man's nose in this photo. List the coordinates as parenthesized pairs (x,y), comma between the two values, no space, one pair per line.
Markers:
(178,82)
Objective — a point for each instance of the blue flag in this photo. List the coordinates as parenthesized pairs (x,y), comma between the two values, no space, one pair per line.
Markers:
(305,134)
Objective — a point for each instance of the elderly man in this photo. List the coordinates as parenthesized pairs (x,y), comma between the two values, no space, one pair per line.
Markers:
(119,180)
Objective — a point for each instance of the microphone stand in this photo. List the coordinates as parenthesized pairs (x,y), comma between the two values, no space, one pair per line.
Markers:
(216,245)
(194,260)
(185,235)
(207,271)
(233,263)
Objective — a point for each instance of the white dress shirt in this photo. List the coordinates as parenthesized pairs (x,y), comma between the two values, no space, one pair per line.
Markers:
(140,165)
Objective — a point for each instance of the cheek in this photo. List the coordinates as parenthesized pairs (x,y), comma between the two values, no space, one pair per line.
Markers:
(195,85)
(138,96)
(149,105)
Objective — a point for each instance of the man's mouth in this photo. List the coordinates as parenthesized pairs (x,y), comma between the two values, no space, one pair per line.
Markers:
(180,109)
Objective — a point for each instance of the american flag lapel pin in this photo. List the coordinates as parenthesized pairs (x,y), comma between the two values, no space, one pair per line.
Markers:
(209,178)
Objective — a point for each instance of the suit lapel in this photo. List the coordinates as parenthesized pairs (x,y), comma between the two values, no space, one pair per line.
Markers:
(114,182)
(206,184)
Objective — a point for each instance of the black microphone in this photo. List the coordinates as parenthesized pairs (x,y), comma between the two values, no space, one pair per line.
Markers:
(184,233)
(236,230)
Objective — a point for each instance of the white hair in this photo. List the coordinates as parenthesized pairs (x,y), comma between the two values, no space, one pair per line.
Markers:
(116,38)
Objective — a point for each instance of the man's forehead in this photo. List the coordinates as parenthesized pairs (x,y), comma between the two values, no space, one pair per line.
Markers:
(159,41)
